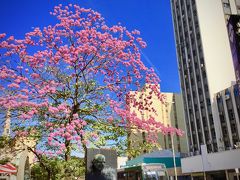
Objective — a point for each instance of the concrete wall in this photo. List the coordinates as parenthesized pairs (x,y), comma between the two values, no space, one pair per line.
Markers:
(212,162)
(233,6)
(181,122)
(216,47)
(121,161)
(216,50)
(22,161)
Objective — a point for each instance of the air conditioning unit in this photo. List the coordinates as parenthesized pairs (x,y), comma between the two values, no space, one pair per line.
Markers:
(227,96)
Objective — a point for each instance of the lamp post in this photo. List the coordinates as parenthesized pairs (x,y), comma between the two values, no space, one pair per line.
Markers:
(174,160)
(173,150)
(237,172)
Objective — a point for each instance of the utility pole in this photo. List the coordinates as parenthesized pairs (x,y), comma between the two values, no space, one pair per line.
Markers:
(174,160)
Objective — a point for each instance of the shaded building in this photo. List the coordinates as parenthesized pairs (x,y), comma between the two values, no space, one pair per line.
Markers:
(233,25)
(228,104)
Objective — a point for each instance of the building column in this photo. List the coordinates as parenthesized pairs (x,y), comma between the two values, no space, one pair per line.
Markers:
(7,125)
(235,111)
(226,173)
(227,118)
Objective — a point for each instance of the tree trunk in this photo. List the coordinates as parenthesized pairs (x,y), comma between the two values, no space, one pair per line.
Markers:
(68,151)
(129,144)
(42,165)
(144,142)
(67,158)
(85,159)
(48,174)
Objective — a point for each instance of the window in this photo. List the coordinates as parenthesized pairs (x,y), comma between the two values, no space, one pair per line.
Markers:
(226,5)
(226,8)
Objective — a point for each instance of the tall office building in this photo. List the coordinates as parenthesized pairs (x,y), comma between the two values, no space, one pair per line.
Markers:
(205,66)
(228,103)
(207,43)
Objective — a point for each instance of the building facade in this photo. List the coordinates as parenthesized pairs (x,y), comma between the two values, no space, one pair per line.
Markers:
(173,115)
(170,113)
(17,153)
(228,104)
(205,65)
(206,37)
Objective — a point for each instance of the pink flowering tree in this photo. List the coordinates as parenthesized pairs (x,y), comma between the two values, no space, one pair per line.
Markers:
(62,82)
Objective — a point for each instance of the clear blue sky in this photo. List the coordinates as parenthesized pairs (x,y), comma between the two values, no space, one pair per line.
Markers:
(151,17)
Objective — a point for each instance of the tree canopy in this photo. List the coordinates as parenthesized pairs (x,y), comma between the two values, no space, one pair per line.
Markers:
(68,83)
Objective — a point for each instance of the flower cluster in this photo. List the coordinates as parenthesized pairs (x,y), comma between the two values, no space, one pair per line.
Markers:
(57,78)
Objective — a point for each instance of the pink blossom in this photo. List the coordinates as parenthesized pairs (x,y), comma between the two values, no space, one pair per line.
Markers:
(84,123)
(25,116)
(62,107)
(53,110)
(110,119)
(54,74)
(59,152)
(77,138)
(35,75)
(95,136)
(13,85)
(75,116)
(11,38)
(2,35)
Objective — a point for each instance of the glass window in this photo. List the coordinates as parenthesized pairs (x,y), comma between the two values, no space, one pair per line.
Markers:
(132,176)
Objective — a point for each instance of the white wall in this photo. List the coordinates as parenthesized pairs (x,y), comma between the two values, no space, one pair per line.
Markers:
(216,47)
(121,161)
(217,52)
(233,6)
(213,161)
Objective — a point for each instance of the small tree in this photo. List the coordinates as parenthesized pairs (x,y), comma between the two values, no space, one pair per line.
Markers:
(75,168)
(64,82)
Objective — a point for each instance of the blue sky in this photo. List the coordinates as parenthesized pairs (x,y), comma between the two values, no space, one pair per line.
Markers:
(151,17)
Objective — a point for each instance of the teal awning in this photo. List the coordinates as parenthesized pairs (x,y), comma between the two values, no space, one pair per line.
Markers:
(164,156)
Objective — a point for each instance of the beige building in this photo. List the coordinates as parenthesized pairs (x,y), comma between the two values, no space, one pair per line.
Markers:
(7,124)
(169,113)
(16,151)
(172,114)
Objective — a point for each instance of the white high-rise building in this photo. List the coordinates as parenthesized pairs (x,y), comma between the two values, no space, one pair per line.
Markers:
(206,67)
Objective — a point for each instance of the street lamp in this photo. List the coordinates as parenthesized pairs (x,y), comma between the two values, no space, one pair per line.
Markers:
(237,172)
(173,150)
(174,160)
